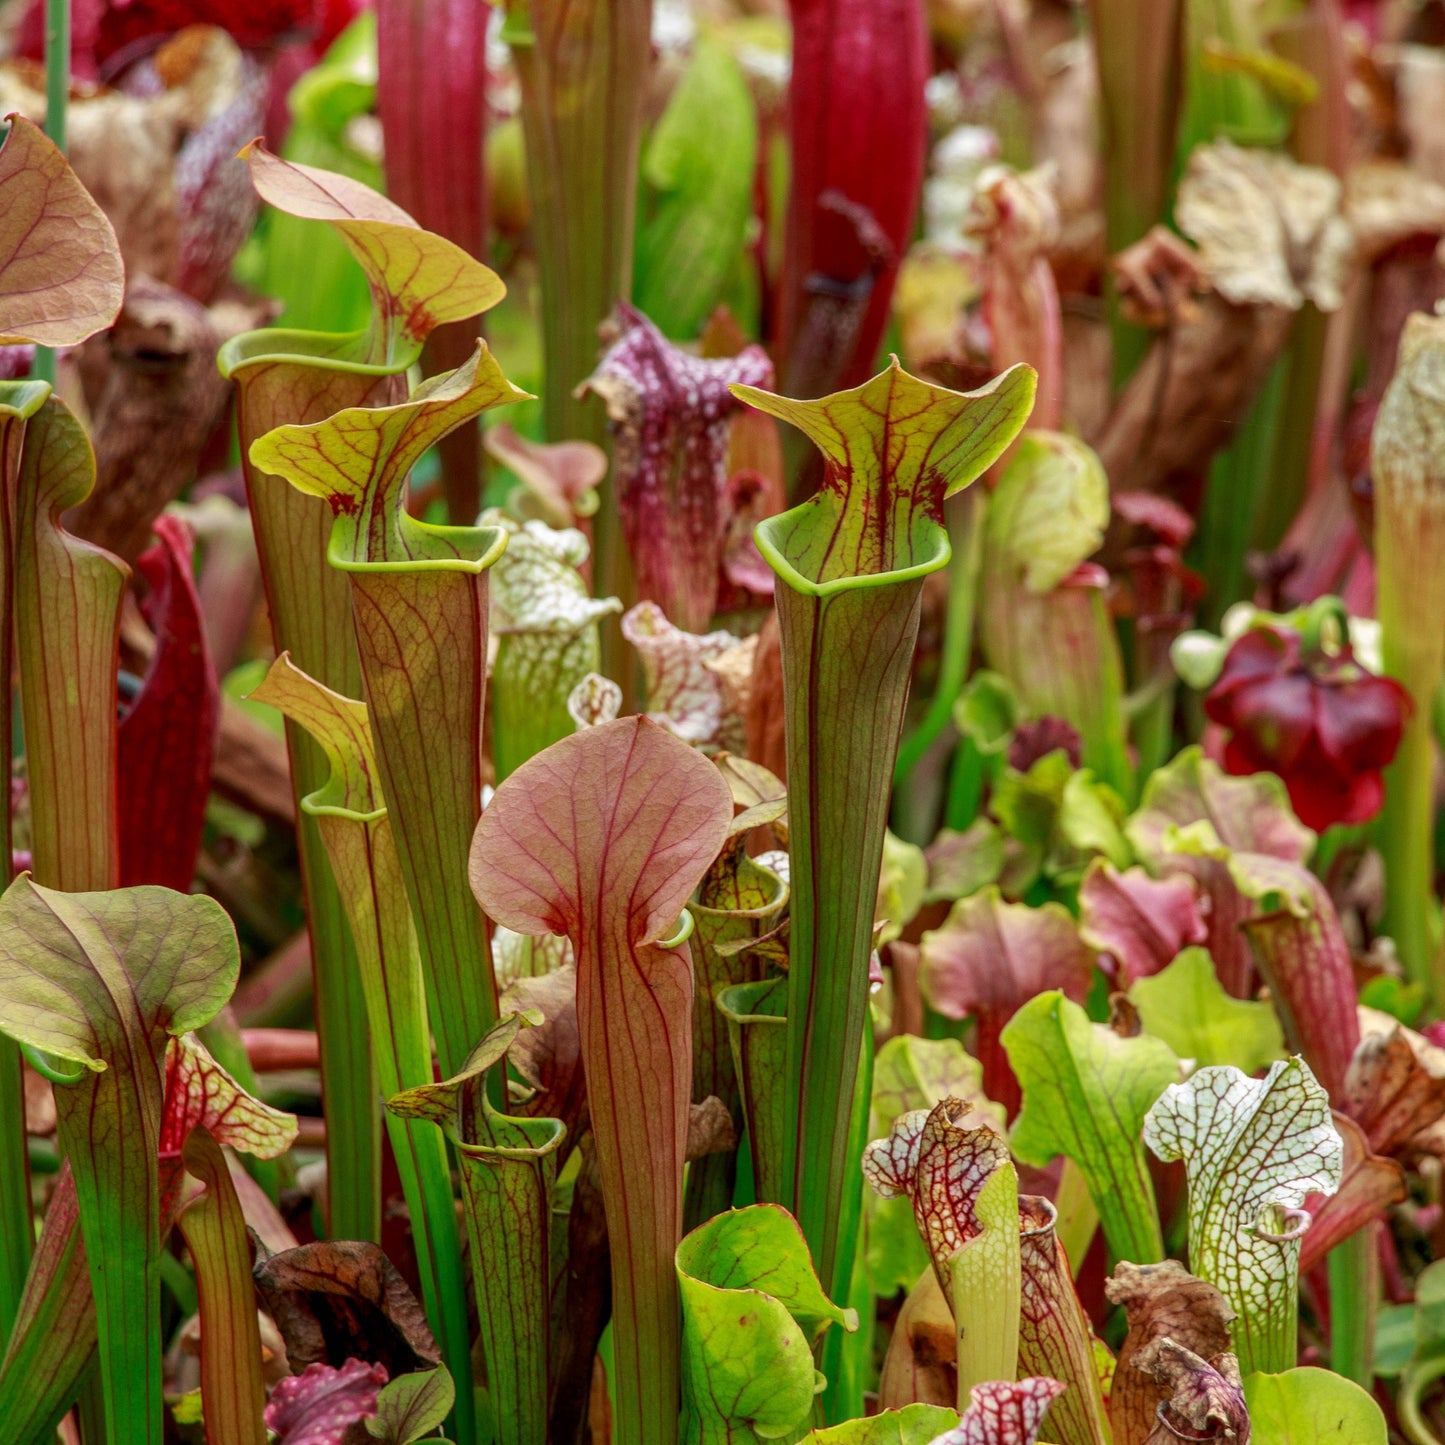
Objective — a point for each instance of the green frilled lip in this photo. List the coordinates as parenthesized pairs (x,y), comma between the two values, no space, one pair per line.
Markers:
(336,351)
(775,557)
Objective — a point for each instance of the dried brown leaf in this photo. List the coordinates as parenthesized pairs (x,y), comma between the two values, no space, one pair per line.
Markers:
(343,1299)
(1270,232)
(1163,1302)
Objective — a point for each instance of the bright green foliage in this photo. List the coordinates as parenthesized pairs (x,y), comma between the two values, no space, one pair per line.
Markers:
(1311,1407)
(753,1311)
(1086,1092)
(410,1405)
(697,177)
(757,1017)
(954,1170)
(1050,510)
(1042,624)
(1186,1007)
(912,1425)
(1062,817)
(1253,1149)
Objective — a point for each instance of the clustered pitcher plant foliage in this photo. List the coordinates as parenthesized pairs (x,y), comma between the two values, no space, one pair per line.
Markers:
(723,722)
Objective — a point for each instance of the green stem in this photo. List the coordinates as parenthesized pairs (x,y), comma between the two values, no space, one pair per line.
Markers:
(118,1191)
(1078,1219)
(348,1071)
(57,105)
(756,1015)
(17,1227)
(507,1183)
(357,834)
(1407,840)
(391,980)
(1278,503)
(963,515)
(233,1389)
(57,69)
(16,1217)
(850,565)
(1238,479)
(1354,1296)
(967,776)
(54,1339)
(422,633)
(583,71)
(847,1355)
(426,1185)
(295,377)
(1151,728)
(737,902)
(846,662)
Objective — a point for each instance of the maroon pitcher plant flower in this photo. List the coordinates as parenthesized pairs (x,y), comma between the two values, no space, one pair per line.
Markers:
(1318,719)
(672,417)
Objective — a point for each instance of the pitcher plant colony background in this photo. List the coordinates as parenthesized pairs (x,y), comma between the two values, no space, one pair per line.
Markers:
(724,722)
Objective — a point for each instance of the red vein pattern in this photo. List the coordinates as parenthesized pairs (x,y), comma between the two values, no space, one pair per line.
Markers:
(603,837)
(67,632)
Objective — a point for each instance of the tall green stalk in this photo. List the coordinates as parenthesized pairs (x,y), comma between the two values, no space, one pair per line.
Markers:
(57,107)
(508,1169)
(604,836)
(417,281)
(419,606)
(1354,1300)
(850,564)
(97,982)
(44,213)
(1239,478)
(17,1228)
(355,827)
(1408,465)
(289,377)
(917,814)
(583,70)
